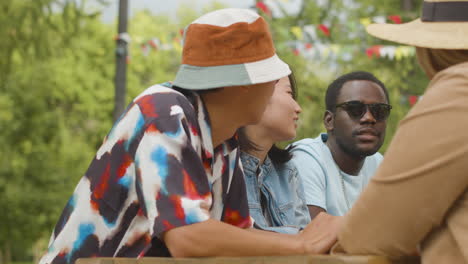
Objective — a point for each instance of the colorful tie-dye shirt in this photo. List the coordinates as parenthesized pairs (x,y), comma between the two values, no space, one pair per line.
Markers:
(155,171)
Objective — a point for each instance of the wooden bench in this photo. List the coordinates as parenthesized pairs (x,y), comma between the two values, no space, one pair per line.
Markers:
(306,259)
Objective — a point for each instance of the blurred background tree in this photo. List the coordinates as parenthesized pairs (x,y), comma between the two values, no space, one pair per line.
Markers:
(56,89)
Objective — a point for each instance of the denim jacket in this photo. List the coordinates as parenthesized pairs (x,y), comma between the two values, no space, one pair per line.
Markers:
(283,194)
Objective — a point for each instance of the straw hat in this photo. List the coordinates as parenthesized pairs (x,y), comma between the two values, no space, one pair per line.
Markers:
(228,47)
(443,25)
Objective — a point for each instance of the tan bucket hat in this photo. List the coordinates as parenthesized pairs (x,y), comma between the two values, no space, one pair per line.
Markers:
(228,47)
(443,25)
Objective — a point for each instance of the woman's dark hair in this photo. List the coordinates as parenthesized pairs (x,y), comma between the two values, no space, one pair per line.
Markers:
(276,154)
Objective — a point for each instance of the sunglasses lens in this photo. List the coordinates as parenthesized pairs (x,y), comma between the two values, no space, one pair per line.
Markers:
(380,111)
(356,110)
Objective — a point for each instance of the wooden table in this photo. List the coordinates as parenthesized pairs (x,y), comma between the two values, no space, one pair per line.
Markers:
(306,259)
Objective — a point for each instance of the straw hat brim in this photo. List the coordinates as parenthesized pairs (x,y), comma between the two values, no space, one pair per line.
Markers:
(435,35)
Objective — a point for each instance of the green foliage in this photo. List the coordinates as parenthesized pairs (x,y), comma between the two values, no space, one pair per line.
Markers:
(55,109)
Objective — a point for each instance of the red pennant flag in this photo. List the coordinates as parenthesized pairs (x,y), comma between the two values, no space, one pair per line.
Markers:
(412,99)
(296,52)
(395,18)
(153,44)
(262,6)
(324,29)
(308,46)
(374,50)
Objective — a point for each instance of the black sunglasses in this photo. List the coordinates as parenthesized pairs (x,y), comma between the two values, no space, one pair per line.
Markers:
(357,109)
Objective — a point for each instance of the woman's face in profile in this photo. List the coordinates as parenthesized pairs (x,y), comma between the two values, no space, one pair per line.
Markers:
(282,113)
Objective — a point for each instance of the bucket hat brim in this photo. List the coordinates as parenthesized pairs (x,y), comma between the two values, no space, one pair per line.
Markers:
(435,35)
(203,78)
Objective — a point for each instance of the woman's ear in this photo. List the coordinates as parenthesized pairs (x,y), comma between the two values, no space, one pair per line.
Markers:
(328,120)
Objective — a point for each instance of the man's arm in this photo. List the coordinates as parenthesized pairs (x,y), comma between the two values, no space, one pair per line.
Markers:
(315,210)
(215,238)
(306,159)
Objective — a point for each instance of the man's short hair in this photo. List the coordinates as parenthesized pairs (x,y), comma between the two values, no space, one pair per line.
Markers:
(335,87)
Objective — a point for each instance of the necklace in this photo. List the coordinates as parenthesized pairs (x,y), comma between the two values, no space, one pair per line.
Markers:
(343,187)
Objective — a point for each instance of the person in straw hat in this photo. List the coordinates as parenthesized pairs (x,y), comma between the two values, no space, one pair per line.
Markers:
(167,180)
(418,199)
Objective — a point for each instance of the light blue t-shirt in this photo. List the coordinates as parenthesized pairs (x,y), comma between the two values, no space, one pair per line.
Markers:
(323,184)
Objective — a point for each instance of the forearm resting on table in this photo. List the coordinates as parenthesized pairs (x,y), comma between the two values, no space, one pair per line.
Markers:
(215,238)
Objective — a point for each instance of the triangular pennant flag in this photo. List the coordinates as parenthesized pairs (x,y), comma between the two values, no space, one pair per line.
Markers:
(145,49)
(365,21)
(296,51)
(412,99)
(399,53)
(155,43)
(297,31)
(310,32)
(262,6)
(395,18)
(388,52)
(379,19)
(373,50)
(324,29)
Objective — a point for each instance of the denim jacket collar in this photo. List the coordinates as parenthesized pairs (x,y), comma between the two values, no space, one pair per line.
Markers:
(251,164)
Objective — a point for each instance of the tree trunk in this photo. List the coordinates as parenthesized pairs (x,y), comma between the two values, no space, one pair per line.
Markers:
(121,62)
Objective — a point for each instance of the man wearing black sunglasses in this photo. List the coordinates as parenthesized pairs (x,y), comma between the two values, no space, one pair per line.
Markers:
(337,165)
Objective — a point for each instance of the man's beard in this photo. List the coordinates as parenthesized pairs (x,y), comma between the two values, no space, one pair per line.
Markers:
(353,151)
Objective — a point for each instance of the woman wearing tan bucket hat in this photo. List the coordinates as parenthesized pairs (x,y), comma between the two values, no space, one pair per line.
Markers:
(418,199)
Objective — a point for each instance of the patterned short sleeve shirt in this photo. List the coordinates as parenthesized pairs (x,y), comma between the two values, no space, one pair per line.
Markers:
(155,171)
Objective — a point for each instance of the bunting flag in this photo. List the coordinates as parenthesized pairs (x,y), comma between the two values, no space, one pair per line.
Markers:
(145,49)
(322,51)
(308,43)
(365,21)
(310,32)
(373,51)
(297,31)
(123,36)
(395,18)
(324,29)
(154,43)
(265,9)
(411,99)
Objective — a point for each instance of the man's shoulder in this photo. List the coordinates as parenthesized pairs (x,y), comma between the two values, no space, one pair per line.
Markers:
(313,145)
(377,157)
(373,161)
(164,90)
(162,101)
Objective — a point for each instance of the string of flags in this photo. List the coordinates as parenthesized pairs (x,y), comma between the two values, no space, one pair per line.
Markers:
(309,32)
(323,51)
(396,19)
(411,99)
(308,41)
(308,50)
